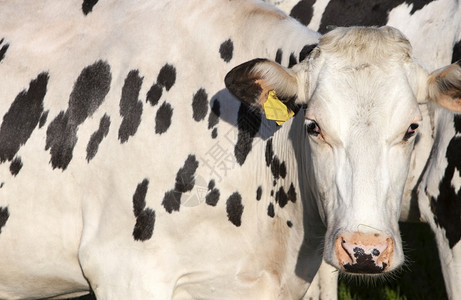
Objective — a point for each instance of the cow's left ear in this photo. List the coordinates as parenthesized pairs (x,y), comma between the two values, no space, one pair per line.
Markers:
(444,86)
(252,81)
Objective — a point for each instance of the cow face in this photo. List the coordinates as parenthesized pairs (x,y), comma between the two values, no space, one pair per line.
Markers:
(363,90)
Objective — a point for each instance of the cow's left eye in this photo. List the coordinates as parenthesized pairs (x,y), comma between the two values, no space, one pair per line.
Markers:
(411,131)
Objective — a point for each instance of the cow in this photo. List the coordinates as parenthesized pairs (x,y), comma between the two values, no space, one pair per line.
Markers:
(422,22)
(433,30)
(127,167)
(192,192)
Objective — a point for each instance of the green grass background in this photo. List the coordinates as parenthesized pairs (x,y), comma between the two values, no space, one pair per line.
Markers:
(421,278)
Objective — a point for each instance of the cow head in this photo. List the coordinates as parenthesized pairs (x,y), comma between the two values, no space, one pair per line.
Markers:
(363,92)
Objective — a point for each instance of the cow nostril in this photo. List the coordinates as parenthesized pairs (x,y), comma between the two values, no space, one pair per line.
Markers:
(358,252)
(375,252)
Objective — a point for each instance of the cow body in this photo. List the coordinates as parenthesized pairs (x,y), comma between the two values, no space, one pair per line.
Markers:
(154,182)
(100,183)
(422,22)
(439,197)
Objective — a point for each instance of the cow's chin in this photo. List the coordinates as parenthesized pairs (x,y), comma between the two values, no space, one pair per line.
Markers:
(365,254)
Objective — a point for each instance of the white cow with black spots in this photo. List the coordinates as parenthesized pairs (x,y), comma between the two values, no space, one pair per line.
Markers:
(434,30)
(128,168)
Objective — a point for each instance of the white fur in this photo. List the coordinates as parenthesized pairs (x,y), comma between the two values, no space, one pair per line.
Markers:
(71,229)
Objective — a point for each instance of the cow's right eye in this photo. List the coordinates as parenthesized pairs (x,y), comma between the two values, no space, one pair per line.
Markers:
(312,127)
(411,131)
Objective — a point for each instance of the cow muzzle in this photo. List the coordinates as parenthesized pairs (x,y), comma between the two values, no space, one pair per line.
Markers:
(364,253)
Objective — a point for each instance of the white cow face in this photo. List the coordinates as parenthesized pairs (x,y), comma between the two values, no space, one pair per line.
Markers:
(363,90)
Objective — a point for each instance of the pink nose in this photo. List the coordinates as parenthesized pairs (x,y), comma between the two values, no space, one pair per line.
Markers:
(366,253)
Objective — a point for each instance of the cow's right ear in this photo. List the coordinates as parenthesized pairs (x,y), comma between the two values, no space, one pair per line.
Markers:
(252,81)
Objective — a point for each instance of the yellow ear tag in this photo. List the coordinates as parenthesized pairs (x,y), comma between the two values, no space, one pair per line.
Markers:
(276,110)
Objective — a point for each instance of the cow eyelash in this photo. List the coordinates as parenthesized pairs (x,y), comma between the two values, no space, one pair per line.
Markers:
(312,127)
(411,131)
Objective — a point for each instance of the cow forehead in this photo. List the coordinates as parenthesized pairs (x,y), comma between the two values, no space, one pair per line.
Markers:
(370,99)
(357,46)
(364,79)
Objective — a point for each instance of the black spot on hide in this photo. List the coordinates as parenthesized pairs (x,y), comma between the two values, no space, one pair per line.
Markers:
(226,50)
(144,227)
(61,137)
(167,76)
(15,166)
(214,133)
(3,50)
(291,194)
(259,192)
(305,51)
(234,209)
(165,79)
(281,197)
(43,119)
(347,13)
(154,94)
(303,11)
(22,117)
(145,217)
(4,215)
(275,167)
(269,152)
(212,197)
(211,185)
(97,137)
(457,123)
(130,107)
(139,197)
(292,60)
(172,201)
(200,105)
(278,56)
(89,91)
(270,210)
(87,6)
(163,118)
(283,170)
(185,181)
(456,56)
